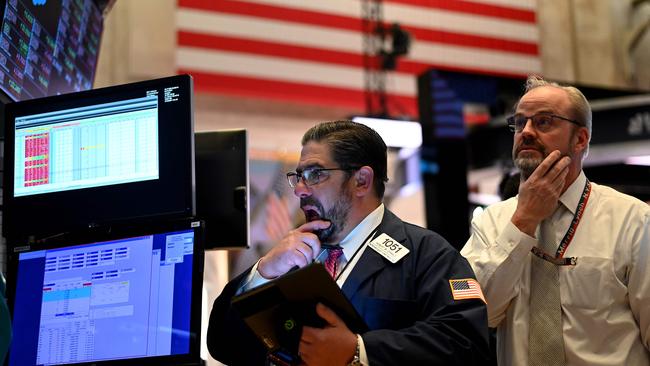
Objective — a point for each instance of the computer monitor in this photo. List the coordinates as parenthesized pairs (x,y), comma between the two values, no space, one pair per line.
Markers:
(87,158)
(222,187)
(116,296)
(48,47)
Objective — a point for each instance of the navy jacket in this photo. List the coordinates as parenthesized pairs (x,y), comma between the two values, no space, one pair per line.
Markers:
(408,306)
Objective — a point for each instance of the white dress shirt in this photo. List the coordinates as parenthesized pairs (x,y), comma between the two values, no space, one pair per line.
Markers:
(605,297)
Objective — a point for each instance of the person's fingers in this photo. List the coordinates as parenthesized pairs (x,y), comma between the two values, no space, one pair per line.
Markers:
(546,164)
(301,259)
(560,178)
(305,350)
(308,335)
(289,253)
(307,251)
(304,243)
(312,226)
(328,315)
(561,165)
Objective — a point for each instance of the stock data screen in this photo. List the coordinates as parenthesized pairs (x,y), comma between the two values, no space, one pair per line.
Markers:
(48,47)
(83,147)
(103,301)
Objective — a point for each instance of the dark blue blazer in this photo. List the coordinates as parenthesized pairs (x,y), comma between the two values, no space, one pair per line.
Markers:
(408,306)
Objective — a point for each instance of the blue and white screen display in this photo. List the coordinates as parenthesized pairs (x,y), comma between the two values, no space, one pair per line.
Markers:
(121,299)
(91,146)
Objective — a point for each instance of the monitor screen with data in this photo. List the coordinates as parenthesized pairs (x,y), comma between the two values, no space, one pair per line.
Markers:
(86,147)
(132,297)
(86,158)
(48,47)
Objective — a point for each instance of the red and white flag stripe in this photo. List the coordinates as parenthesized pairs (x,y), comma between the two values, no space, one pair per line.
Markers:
(311,50)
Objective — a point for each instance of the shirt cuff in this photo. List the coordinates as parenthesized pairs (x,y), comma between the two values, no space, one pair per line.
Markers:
(514,242)
(363,356)
(253,280)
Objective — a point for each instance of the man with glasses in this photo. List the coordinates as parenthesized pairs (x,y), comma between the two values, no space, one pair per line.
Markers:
(421,301)
(565,264)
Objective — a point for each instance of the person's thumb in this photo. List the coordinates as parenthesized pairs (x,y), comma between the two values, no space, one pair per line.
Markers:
(328,315)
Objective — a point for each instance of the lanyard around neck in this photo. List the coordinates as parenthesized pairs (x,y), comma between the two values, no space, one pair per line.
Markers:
(568,237)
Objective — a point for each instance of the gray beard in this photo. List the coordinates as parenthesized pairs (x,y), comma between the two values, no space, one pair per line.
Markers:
(527,166)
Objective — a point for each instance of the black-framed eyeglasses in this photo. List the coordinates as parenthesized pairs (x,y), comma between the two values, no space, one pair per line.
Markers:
(311,176)
(542,122)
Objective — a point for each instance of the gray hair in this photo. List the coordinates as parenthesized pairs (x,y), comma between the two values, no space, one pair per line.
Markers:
(580,106)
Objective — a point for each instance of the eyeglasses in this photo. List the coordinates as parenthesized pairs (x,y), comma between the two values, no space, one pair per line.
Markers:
(542,122)
(311,176)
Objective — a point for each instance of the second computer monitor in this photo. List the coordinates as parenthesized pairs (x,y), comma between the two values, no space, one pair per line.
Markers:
(124,296)
(222,187)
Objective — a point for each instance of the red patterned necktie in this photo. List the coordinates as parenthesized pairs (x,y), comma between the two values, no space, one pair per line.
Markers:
(332,260)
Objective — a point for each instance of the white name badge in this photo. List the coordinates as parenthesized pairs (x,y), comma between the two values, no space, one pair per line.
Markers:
(389,248)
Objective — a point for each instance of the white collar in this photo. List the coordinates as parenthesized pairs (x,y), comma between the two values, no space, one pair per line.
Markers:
(571,196)
(355,238)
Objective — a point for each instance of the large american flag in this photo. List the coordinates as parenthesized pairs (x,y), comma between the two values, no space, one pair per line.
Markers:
(310,51)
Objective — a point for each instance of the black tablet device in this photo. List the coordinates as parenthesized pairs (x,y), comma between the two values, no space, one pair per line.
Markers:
(277,310)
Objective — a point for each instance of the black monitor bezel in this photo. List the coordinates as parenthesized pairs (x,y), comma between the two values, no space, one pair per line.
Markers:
(222,189)
(172,195)
(119,231)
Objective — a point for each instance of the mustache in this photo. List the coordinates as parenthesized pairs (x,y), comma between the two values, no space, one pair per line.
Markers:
(309,201)
(530,144)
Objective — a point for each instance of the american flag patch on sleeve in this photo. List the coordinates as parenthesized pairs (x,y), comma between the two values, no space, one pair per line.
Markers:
(467,288)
